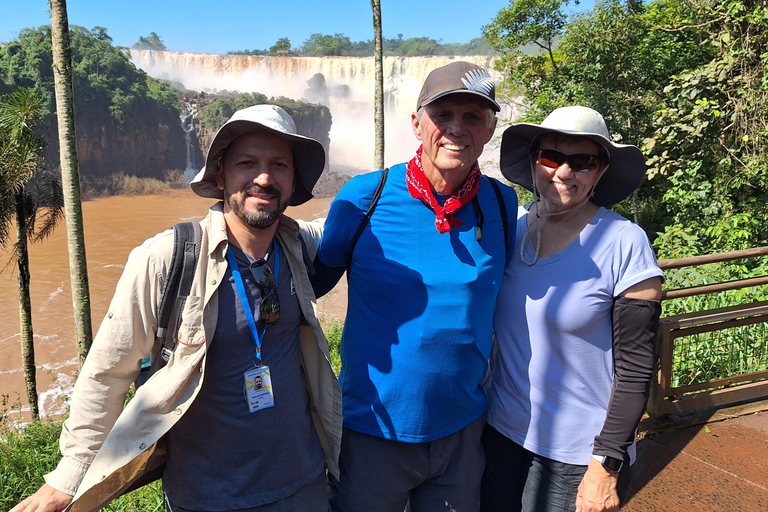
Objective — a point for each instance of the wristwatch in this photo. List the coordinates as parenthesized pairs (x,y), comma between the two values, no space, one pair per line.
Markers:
(611,464)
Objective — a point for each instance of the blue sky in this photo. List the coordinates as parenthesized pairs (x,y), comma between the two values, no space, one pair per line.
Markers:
(222,26)
(218,27)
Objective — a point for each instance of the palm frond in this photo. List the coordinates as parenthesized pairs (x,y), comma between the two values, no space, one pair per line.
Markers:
(49,205)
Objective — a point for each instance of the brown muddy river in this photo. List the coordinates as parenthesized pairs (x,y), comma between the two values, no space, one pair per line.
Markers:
(113,226)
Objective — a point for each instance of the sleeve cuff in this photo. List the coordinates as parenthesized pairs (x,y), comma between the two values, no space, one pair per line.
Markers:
(67,475)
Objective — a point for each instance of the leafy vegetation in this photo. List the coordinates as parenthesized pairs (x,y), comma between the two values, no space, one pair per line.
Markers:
(333,330)
(25,456)
(118,108)
(151,42)
(325,45)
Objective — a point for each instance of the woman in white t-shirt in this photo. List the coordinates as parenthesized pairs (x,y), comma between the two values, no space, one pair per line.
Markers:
(575,322)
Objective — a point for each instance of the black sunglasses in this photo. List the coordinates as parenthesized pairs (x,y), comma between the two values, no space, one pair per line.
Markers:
(265,279)
(580,163)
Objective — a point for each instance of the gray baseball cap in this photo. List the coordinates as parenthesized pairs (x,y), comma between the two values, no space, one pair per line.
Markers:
(458,77)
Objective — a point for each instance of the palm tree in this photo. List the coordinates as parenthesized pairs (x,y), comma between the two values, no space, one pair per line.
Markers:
(378,102)
(35,206)
(70,177)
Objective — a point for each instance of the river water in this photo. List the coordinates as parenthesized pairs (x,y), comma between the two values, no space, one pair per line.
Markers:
(113,226)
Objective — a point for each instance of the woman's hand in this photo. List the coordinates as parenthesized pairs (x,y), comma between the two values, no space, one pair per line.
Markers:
(597,490)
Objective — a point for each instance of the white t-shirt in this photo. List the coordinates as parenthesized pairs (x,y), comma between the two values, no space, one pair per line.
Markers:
(554,369)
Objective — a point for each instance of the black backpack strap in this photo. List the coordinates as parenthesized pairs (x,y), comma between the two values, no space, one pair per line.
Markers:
(367,218)
(186,253)
(503,210)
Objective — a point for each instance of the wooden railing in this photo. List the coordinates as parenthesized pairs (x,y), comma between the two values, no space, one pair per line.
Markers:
(717,328)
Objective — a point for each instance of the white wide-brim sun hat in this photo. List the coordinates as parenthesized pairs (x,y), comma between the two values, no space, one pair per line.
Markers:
(626,162)
(308,153)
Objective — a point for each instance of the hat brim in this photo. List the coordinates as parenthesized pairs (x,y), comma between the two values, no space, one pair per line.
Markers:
(625,171)
(308,157)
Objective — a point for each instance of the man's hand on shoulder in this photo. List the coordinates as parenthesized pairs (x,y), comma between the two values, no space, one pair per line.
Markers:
(46,499)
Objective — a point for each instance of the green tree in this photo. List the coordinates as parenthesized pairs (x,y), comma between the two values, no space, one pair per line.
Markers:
(282,44)
(526,21)
(616,58)
(477,46)
(247,52)
(710,138)
(33,206)
(419,46)
(151,42)
(391,45)
(70,175)
(121,113)
(319,45)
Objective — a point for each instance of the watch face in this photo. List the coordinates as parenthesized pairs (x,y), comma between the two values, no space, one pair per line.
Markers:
(612,464)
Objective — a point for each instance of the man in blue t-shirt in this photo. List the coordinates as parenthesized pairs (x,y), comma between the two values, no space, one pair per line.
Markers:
(423,277)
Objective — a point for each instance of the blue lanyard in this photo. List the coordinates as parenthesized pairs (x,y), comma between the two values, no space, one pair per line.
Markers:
(256,336)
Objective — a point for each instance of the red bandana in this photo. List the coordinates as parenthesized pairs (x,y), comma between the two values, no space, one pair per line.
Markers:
(420,188)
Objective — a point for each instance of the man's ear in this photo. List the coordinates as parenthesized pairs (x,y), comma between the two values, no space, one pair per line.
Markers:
(416,125)
(493,129)
(220,175)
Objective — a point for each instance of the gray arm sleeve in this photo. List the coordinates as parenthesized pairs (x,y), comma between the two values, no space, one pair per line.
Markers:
(635,322)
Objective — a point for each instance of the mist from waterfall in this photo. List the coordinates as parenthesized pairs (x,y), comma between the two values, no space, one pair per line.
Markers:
(344,84)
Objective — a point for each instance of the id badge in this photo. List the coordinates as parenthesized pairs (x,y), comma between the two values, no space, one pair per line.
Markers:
(258,388)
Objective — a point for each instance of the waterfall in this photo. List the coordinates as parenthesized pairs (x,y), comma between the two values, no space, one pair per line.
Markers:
(186,125)
(344,84)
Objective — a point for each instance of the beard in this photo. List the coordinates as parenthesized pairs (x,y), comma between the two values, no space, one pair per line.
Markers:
(263,217)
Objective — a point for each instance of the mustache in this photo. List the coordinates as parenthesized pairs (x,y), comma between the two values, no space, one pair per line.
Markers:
(257,189)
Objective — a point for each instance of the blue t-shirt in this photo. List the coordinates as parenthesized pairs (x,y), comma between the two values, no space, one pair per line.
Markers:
(553,374)
(418,332)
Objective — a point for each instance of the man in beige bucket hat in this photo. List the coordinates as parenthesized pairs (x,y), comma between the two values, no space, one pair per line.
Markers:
(219,441)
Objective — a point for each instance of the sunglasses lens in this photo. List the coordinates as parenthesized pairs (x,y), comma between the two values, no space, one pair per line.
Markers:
(265,280)
(270,308)
(579,163)
(263,276)
(551,159)
(583,163)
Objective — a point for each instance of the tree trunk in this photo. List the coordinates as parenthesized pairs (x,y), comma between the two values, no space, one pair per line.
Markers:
(70,177)
(25,308)
(378,102)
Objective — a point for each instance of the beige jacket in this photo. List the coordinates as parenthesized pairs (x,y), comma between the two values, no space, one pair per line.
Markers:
(105,447)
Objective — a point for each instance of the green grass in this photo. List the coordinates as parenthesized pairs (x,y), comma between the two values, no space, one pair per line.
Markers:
(333,330)
(27,455)
(147,499)
(135,186)
(24,458)
(120,184)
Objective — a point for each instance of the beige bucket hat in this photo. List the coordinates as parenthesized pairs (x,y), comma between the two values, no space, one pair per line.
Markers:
(308,153)
(626,162)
